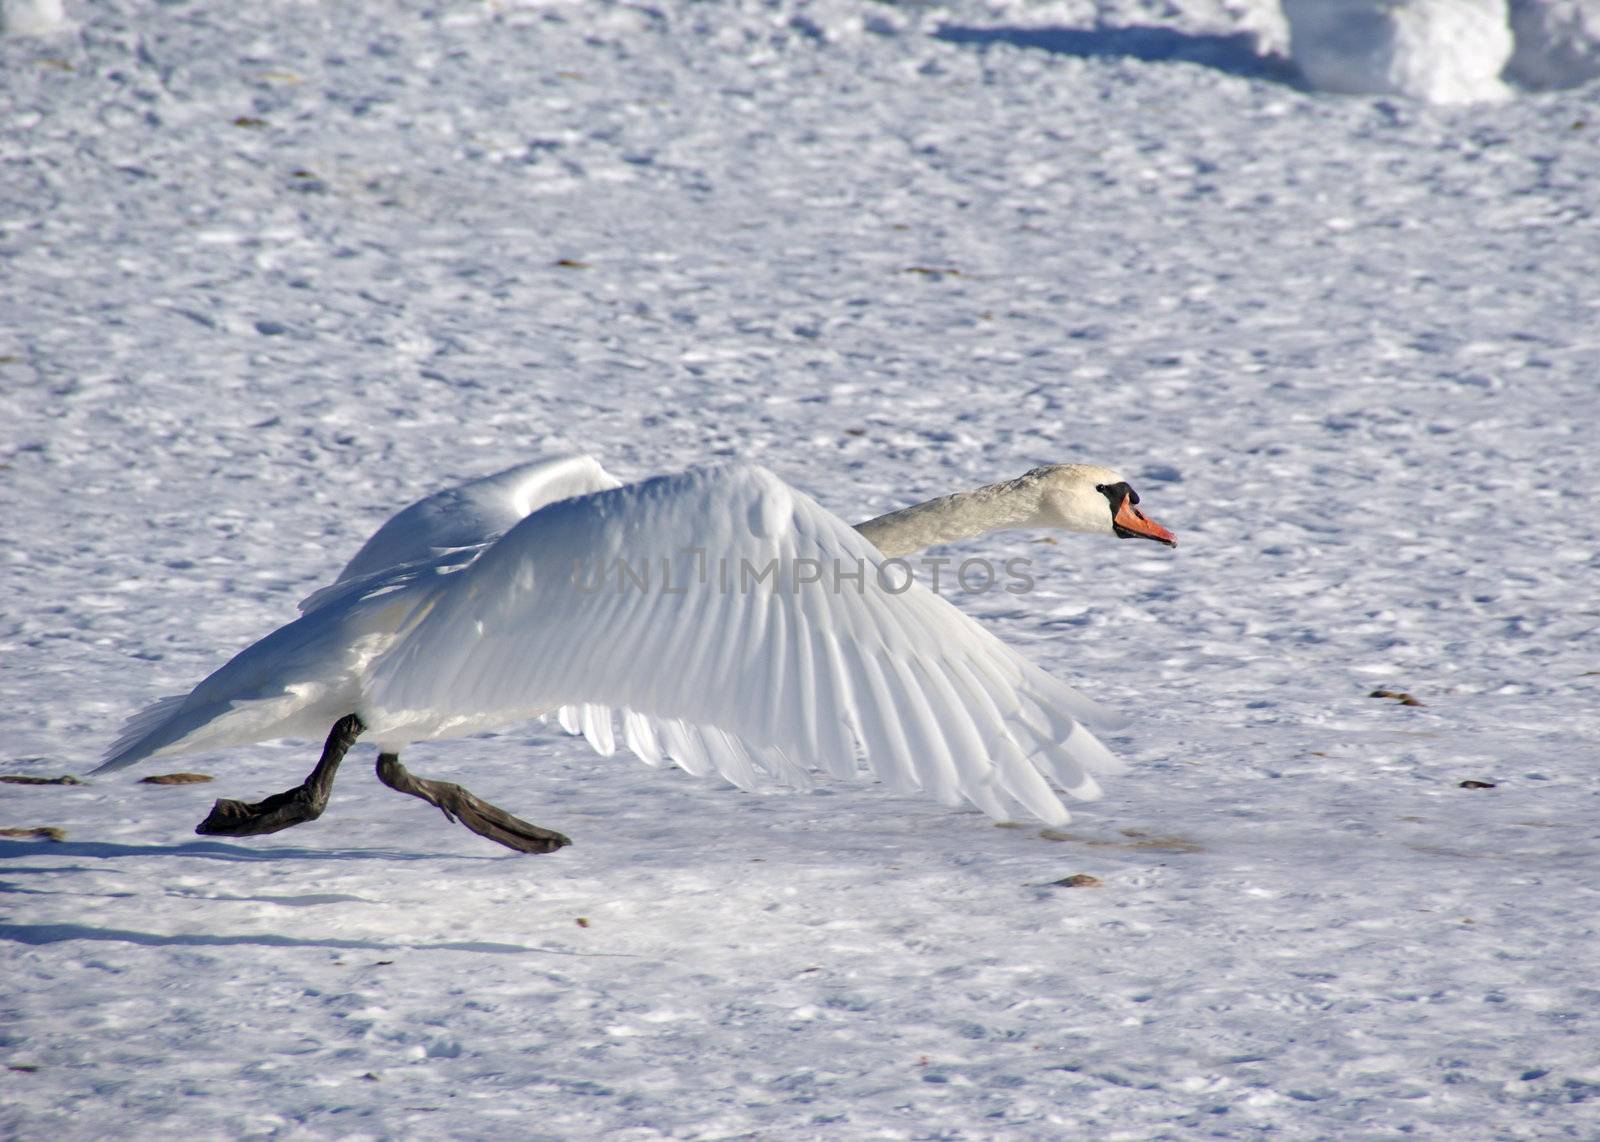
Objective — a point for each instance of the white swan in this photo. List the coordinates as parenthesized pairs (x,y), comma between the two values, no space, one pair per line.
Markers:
(732,623)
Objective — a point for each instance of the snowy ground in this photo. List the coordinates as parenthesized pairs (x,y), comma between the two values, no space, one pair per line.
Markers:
(268,272)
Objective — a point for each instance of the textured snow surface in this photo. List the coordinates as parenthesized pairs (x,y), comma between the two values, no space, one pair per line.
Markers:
(273,271)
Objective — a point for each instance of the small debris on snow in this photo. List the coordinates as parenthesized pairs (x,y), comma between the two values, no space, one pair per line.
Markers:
(1138,841)
(1398,695)
(1077,880)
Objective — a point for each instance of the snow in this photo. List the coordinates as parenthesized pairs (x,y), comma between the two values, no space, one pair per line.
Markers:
(274,271)
(1438,51)
(31,17)
(1557,42)
(1442,51)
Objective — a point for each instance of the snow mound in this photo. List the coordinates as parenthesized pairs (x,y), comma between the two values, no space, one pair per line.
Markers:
(30,17)
(1557,43)
(1441,51)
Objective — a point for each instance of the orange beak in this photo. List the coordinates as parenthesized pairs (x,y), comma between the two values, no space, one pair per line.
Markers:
(1130,521)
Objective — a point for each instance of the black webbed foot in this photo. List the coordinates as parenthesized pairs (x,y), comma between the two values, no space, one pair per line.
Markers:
(476,814)
(305,802)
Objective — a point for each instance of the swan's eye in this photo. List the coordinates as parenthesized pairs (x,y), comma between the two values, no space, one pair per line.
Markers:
(1116,493)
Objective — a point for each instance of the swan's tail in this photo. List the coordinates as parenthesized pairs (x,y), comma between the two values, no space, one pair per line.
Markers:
(150,730)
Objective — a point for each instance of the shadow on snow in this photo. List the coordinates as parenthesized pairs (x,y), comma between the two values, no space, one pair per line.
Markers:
(1237,54)
(212,850)
(37,934)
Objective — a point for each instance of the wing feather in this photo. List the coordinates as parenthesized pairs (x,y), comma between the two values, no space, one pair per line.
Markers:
(930,756)
(683,746)
(599,729)
(883,736)
(639,734)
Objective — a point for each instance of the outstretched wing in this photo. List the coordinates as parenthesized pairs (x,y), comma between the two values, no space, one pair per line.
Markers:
(467,516)
(737,626)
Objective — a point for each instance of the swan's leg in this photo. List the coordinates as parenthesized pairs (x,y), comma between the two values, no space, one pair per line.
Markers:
(479,816)
(304,802)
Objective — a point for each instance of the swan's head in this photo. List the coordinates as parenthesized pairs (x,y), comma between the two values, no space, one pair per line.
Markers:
(1084,497)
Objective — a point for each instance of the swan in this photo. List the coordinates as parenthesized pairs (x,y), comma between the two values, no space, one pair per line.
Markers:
(724,617)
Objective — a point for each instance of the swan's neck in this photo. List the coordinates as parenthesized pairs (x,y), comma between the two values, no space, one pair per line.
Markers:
(1016,503)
